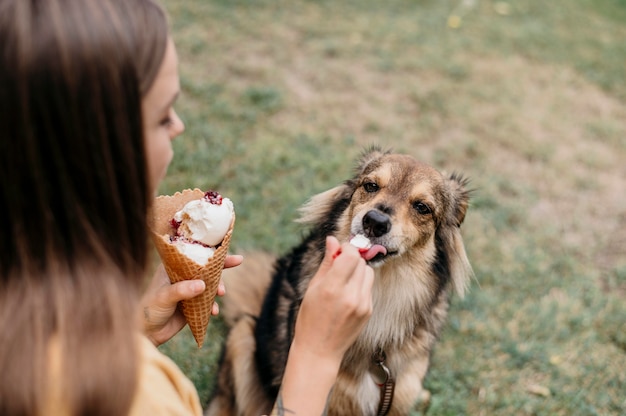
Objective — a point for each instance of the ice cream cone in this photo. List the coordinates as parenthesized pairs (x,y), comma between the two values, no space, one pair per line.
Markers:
(179,267)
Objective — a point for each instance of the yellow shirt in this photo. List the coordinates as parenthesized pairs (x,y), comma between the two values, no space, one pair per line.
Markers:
(162,390)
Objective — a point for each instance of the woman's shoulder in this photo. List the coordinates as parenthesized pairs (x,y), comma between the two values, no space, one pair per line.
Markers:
(162,388)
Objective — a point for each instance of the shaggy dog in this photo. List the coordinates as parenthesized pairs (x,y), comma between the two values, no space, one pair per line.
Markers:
(412,215)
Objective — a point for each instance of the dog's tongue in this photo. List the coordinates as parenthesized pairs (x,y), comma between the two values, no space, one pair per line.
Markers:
(373,251)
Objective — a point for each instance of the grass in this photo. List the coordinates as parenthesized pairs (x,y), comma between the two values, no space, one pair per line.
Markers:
(527,98)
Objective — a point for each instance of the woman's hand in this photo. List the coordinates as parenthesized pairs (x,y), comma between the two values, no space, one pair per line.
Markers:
(162,318)
(336,306)
(337,303)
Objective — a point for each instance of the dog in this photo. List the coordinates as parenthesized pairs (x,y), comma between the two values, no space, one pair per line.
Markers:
(413,214)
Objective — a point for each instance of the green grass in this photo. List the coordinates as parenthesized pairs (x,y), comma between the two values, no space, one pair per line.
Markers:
(527,98)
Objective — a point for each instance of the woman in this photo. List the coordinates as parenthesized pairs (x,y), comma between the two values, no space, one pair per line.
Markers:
(87,89)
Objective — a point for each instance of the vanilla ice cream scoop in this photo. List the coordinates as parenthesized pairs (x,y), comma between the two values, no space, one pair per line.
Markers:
(361,242)
(195,251)
(368,250)
(205,220)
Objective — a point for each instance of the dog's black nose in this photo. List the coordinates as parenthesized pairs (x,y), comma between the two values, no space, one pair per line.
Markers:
(376,223)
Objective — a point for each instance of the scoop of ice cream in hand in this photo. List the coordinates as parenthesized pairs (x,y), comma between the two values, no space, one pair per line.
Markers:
(366,248)
(200,226)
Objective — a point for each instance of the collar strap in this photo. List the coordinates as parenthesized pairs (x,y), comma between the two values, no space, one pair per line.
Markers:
(387,387)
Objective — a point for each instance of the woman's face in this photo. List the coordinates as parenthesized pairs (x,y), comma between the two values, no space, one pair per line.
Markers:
(160,122)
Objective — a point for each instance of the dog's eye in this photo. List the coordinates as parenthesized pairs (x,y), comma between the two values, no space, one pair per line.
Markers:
(370,187)
(421,207)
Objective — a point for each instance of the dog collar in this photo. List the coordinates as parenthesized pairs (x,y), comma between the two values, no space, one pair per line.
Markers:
(388,386)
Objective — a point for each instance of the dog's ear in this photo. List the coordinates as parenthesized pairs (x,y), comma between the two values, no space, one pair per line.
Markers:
(316,210)
(460,196)
(369,156)
(460,268)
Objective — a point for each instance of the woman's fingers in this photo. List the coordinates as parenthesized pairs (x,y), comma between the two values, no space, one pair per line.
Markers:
(185,289)
(233,260)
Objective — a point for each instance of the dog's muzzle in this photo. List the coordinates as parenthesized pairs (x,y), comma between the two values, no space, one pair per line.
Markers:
(376,224)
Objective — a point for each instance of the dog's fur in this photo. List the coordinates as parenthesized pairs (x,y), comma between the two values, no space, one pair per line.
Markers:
(417,216)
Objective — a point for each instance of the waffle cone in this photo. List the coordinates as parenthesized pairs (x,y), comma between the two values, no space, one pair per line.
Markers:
(179,267)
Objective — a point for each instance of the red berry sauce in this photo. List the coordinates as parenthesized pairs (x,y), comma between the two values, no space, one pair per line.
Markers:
(213,197)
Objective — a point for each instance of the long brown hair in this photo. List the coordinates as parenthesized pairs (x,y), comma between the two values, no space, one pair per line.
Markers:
(74,194)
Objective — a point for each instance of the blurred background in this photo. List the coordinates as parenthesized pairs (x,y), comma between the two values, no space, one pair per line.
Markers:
(526,97)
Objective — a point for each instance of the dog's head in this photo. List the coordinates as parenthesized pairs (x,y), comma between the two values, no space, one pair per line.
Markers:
(408,210)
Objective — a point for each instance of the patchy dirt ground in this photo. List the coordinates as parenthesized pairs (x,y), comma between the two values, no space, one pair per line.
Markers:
(557,140)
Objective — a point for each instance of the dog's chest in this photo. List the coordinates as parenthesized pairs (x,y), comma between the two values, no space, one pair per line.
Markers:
(395,317)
